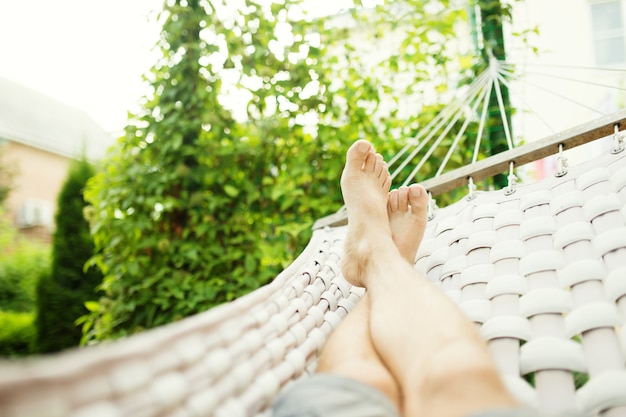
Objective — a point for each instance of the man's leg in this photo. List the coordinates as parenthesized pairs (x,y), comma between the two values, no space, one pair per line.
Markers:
(432,350)
(349,351)
(351,379)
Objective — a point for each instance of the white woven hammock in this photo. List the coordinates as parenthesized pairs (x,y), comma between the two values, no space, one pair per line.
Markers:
(542,270)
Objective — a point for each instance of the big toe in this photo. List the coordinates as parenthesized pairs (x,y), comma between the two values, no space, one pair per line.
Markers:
(418,199)
(357,154)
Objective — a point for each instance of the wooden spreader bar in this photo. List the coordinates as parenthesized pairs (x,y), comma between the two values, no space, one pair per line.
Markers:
(497,164)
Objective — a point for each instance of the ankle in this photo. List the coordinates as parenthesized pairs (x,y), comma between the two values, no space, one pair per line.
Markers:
(359,248)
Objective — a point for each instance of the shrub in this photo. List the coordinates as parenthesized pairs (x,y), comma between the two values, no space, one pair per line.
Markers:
(61,294)
(17,333)
(195,206)
(20,267)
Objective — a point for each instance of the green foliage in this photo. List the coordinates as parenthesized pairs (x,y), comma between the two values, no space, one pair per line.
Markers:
(61,294)
(21,264)
(17,333)
(182,207)
(427,66)
(206,198)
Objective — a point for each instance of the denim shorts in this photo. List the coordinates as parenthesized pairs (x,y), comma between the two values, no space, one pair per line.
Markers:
(323,395)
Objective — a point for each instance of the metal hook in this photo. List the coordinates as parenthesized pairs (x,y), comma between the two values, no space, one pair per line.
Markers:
(561,162)
(618,142)
(472,189)
(512,179)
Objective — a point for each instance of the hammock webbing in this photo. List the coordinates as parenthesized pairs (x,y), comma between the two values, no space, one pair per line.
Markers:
(543,271)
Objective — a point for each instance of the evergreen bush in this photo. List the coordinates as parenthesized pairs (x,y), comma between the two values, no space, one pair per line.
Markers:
(62,293)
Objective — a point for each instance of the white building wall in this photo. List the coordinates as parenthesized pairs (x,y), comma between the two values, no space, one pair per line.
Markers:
(566,50)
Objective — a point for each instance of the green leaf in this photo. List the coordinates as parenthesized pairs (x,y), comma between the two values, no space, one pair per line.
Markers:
(92,306)
(231,191)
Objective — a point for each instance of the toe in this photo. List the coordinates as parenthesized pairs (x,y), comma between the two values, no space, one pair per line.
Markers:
(357,155)
(379,165)
(387,183)
(418,198)
(393,200)
(403,199)
(370,163)
(384,170)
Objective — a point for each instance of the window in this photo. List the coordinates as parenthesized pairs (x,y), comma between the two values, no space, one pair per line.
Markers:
(608,32)
(36,212)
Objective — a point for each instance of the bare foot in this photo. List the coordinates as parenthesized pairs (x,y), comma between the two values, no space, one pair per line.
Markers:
(365,183)
(407,207)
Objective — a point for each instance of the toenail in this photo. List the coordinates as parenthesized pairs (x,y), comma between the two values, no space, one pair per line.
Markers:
(363,146)
(415,191)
